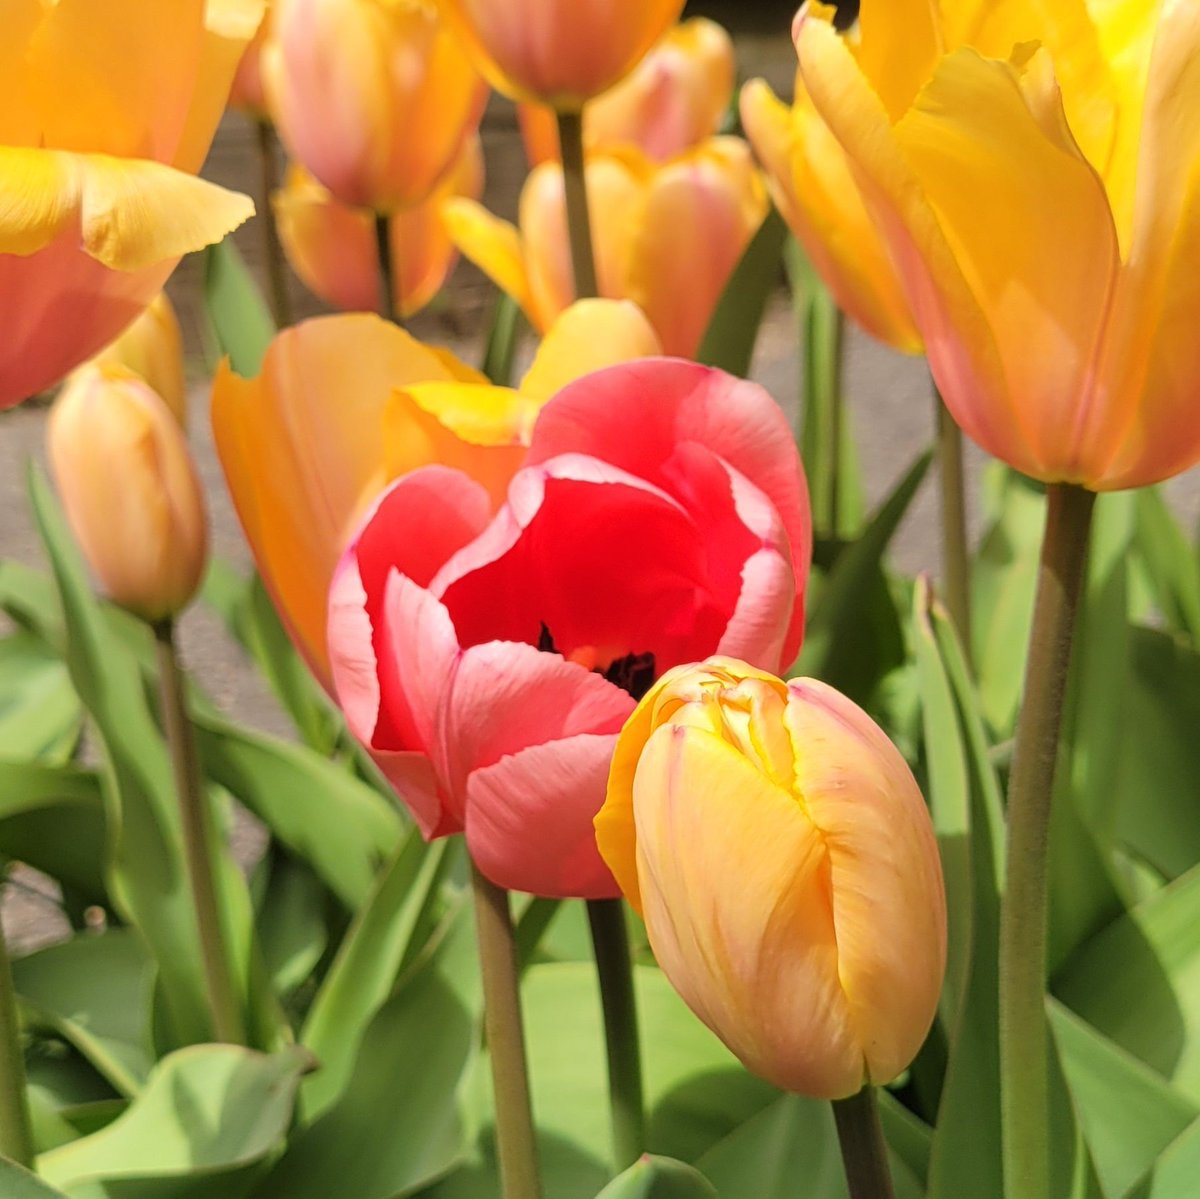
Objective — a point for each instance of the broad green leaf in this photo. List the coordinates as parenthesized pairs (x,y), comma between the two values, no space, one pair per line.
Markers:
(1138,983)
(240,321)
(1170,562)
(291,921)
(1128,1115)
(206,1111)
(29,597)
(52,817)
(659,1178)
(503,335)
(40,714)
(378,946)
(1176,1171)
(729,339)
(399,1122)
(94,991)
(18,1183)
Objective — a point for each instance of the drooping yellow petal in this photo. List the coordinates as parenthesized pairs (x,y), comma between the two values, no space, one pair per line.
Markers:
(39,197)
(588,336)
(492,245)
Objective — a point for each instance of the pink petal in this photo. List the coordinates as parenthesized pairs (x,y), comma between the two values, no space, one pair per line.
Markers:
(529,818)
(759,624)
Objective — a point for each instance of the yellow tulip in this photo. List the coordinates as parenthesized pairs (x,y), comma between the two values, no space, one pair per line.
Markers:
(333,249)
(130,490)
(344,404)
(107,108)
(375,98)
(783,859)
(559,52)
(152,347)
(1033,169)
(673,100)
(690,218)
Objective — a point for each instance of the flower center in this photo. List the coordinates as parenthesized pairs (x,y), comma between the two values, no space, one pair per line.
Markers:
(631,672)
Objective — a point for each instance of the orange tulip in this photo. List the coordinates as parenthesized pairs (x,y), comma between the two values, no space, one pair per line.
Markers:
(152,347)
(375,98)
(345,404)
(247,92)
(559,52)
(673,100)
(1036,187)
(106,110)
(785,864)
(333,249)
(130,490)
(652,226)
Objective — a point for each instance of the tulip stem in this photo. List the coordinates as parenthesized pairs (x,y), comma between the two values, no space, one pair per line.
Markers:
(272,247)
(387,274)
(864,1150)
(956,561)
(196,824)
(610,941)
(579,225)
(1024,1088)
(16,1136)
(516,1145)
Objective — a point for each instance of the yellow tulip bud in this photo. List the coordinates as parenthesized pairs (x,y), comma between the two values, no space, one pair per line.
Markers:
(785,864)
(130,490)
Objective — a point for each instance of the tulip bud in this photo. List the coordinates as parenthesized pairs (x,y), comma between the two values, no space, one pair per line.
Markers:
(785,864)
(152,347)
(130,490)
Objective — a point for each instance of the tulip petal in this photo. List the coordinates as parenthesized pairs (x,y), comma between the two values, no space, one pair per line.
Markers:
(494,246)
(529,819)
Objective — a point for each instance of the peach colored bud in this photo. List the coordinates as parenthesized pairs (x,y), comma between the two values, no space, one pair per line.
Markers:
(130,490)
(247,92)
(785,864)
(152,347)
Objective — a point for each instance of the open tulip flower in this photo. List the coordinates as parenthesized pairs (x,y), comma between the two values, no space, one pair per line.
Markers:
(487,647)
(1035,174)
(375,98)
(784,861)
(559,52)
(652,225)
(332,247)
(674,99)
(107,108)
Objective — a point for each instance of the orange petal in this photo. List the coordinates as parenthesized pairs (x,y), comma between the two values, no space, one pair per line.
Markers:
(492,245)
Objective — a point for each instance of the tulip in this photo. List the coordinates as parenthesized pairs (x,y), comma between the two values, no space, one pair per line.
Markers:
(109,108)
(247,92)
(130,490)
(333,249)
(487,654)
(152,348)
(309,444)
(1040,206)
(673,100)
(559,52)
(690,218)
(783,859)
(375,98)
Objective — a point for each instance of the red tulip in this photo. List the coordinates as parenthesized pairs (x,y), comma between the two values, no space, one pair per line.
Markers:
(488,657)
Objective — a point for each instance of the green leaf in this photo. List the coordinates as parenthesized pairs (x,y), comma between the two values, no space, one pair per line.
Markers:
(503,335)
(94,991)
(206,1111)
(29,597)
(1176,1171)
(1169,561)
(659,1178)
(729,339)
(238,315)
(17,1183)
(291,921)
(40,714)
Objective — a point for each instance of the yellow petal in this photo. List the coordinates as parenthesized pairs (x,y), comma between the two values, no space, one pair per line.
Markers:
(589,335)
(899,45)
(492,245)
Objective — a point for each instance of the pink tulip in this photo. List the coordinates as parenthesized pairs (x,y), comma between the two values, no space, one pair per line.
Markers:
(489,657)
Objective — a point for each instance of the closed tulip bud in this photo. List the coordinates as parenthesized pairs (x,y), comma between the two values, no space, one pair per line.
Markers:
(375,98)
(673,100)
(247,92)
(559,52)
(130,490)
(152,347)
(785,864)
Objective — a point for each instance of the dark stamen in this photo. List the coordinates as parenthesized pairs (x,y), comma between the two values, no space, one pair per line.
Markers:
(633,673)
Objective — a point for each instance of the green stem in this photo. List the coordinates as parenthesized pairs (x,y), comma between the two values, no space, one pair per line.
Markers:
(195,823)
(610,941)
(516,1146)
(864,1151)
(579,225)
(1024,1089)
(281,305)
(387,275)
(16,1136)
(956,561)
(837,404)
